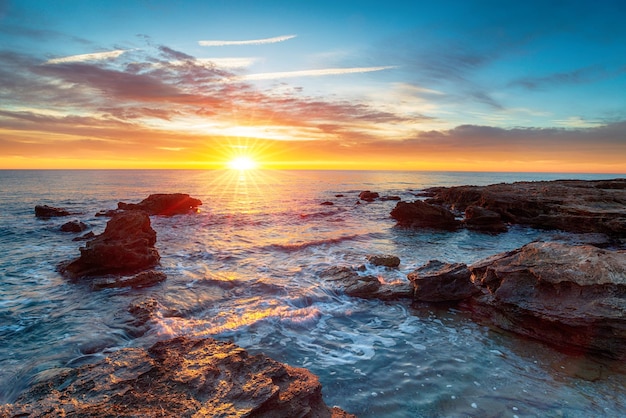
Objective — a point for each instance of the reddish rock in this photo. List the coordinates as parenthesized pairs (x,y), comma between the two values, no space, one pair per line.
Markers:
(139,280)
(45,211)
(442,282)
(569,205)
(164,204)
(125,247)
(181,377)
(73,226)
(390,261)
(484,220)
(423,215)
(368,196)
(571,296)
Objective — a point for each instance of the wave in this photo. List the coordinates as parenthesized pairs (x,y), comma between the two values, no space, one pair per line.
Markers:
(289,248)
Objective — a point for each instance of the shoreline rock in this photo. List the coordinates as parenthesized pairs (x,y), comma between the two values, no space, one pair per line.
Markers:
(45,211)
(420,214)
(164,204)
(180,377)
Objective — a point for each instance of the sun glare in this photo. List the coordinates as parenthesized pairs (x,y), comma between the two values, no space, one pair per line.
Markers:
(242,163)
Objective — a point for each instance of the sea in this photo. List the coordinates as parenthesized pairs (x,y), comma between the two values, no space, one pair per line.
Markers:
(246,268)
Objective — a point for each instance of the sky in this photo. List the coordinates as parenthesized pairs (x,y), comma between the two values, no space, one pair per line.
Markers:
(412,85)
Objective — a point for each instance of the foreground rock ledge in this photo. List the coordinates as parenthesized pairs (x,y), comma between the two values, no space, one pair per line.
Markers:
(181,377)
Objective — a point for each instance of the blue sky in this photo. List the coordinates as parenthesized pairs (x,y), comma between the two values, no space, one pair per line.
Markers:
(426,85)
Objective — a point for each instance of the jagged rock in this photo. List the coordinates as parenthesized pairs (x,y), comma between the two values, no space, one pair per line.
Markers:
(423,215)
(571,296)
(139,280)
(569,205)
(442,282)
(74,226)
(45,211)
(164,204)
(483,220)
(125,247)
(181,377)
(368,196)
(390,261)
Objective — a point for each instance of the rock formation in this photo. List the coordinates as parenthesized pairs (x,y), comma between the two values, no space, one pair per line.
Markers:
(368,196)
(125,247)
(423,215)
(568,205)
(484,220)
(45,211)
(347,280)
(73,226)
(181,377)
(390,261)
(442,282)
(164,204)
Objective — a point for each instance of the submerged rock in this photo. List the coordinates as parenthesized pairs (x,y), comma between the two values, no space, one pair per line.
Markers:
(74,226)
(45,211)
(571,296)
(164,204)
(442,282)
(181,377)
(125,247)
(368,196)
(350,282)
(139,280)
(390,261)
(569,205)
(423,215)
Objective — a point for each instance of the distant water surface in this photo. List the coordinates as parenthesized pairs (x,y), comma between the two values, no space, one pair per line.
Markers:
(246,268)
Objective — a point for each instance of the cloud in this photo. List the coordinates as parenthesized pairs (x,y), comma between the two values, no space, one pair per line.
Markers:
(247,42)
(311,73)
(578,76)
(96,56)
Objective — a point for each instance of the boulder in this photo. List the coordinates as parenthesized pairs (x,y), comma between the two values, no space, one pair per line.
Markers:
(164,204)
(368,196)
(386,198)
(74,226)
(390,261)
(483,220)
(45,211)
(327,203)
(442,282)
(181,377)
(349,281)
(570,296)
(139,280)
(420,214)
(570,205)
(125,247)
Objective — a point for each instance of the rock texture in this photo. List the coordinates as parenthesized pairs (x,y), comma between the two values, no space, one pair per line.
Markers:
(181,377)
(45,211)
(390,261)
(569,205)
(164,204)
(139,280)
(125,247)
(571,296)
(74,226)
(423,215)
(368,196)
(442,282)
(484,220)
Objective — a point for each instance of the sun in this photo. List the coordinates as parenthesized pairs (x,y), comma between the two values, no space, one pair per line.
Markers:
(241,163)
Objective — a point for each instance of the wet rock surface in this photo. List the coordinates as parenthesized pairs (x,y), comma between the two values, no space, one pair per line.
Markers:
(125,247)
(181,377)
(349,281)
(74,226)
(442,282)
(420,214)
(385,260)
(45,211)
(570,205)
(164,204)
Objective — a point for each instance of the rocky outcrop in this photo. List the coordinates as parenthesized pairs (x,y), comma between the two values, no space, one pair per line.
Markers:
(569,205)
(442,282)
(73,226)
(390,261)
(139,280)
(368,196)
(347,280)
(164,204)
(571,296)
(45,211)
(420,214)
(181,377)
(484,220)
(125,247)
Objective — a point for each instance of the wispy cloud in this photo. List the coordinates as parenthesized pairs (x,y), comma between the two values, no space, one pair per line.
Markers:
(247,42)
(96,56)
(311,73)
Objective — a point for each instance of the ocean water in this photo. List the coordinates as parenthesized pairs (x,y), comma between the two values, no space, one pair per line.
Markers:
(246,268)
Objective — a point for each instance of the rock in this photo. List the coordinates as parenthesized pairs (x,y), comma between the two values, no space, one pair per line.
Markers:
(327,203)
(73,226)
(108,213)
(139,280)
(164,204)
(125,247)
(181,377)
(570,296)
(385,198)
(45,211)
(423,215)
(483,220)
(442,282)
(87,236)
(143,309)
(368,196)
(339,195)
(348,281)
(569,205)
(384,260)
